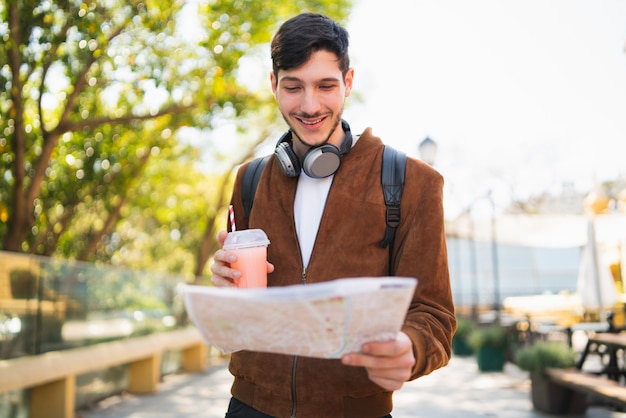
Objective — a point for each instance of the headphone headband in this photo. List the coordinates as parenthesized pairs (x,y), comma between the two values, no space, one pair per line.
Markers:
(346,145)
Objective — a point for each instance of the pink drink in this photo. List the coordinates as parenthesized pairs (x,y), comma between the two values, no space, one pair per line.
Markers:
(251,263)
(250,247)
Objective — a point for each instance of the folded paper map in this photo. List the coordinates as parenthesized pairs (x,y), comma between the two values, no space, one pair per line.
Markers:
(323,320)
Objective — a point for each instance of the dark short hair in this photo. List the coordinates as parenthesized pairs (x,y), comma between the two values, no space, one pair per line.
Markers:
(302,35)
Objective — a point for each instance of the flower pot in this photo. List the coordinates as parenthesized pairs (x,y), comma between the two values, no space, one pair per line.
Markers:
(460,347)
(552,398)
(490,359)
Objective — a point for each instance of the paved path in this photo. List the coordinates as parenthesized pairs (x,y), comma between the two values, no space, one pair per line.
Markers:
(456,391)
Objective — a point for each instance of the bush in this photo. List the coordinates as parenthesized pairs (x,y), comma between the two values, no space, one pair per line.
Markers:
(460,346)
(464,327)
(540,355)
(493,336)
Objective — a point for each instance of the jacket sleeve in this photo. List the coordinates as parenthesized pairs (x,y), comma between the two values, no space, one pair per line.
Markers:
(420,252)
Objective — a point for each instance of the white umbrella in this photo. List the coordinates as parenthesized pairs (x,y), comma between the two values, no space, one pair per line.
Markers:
(595,282)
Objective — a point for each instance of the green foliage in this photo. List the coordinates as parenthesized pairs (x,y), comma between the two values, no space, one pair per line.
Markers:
(93,99)
(542,354)
(460,345)
(465,327)
(493,336)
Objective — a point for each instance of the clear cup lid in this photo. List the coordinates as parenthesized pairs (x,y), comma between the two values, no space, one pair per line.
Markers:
(246,238)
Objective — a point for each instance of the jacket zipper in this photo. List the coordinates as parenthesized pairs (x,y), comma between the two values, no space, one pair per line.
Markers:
(295,366)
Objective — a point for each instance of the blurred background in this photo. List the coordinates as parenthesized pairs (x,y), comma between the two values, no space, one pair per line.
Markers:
(524,99)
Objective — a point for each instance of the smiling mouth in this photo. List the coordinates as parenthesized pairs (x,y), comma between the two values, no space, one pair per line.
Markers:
(310,121)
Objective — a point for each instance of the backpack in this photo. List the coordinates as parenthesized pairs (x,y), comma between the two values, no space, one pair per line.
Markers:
(392,180)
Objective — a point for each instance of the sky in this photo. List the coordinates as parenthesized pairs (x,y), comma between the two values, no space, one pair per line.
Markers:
(521,97)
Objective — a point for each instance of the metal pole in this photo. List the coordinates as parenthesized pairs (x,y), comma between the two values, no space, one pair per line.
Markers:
(473,267)
(595,264)
(494,259)
(457,263)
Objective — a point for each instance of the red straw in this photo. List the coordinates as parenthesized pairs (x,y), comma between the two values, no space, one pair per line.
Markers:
(231,215)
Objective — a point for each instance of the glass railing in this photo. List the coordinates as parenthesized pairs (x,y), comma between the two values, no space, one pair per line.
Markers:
(48,304)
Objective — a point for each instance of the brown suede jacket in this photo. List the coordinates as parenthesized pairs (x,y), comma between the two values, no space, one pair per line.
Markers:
(347,245)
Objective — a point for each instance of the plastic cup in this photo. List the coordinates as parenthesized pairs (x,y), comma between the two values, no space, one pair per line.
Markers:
(250,247)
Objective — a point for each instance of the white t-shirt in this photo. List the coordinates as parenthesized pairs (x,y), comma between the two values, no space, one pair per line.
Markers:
(308,208)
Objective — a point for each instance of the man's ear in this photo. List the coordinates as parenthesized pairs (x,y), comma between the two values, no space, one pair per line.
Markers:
(274,83)
(348,79)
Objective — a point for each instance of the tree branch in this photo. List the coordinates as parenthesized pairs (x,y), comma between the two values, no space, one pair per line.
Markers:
(19,218)
(50,139)
(46,63)
(114,214)
(91,123)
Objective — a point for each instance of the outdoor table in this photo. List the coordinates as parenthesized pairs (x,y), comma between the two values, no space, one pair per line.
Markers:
(610,347)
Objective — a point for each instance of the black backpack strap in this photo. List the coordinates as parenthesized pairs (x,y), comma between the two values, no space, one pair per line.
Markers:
(251,181)
(392,179)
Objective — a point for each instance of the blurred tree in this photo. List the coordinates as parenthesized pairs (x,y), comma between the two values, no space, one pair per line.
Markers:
(92,98)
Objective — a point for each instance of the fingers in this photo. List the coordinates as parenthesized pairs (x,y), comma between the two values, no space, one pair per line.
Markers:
(221,237)
(393,348)
(388,364)
(221,265)
(223,275)
(387,372)
(405,360)
(386,382)
(222,279)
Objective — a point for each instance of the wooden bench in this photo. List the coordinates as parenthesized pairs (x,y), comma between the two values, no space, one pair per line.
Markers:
(52,376)
(600,387)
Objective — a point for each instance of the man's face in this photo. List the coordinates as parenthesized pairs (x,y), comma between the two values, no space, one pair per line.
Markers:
(311,99)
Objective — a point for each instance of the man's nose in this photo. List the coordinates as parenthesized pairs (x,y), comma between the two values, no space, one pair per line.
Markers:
(310,103)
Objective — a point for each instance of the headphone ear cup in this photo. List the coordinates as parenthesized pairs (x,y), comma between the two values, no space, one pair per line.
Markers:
(321,161)
(287,159)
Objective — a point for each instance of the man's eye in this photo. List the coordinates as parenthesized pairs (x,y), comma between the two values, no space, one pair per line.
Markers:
(291,88)
(327,86)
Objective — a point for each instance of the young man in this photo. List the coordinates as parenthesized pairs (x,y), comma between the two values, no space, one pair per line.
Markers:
(327,223)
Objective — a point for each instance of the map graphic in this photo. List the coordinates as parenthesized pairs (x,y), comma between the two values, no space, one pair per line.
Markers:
(323,320)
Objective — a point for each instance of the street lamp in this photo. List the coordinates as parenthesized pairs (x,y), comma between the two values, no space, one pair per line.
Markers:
(428,150)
